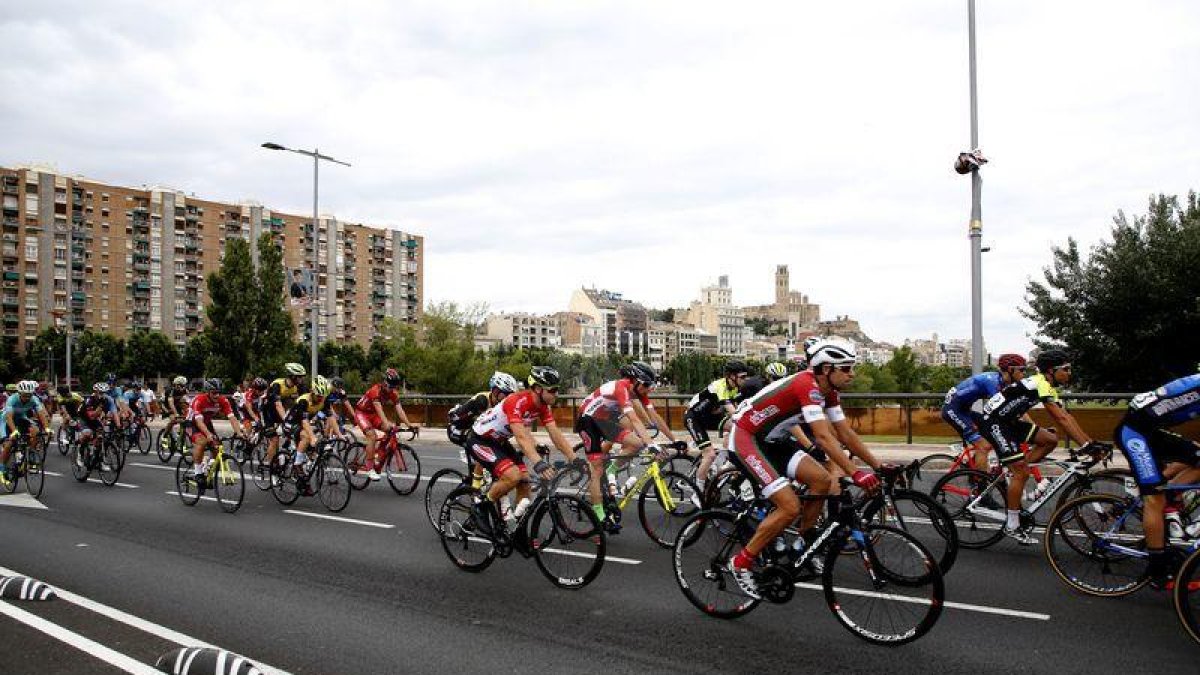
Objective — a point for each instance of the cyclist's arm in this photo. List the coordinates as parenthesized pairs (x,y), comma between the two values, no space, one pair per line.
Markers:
(797,433)
(850,439)
(635,421)
(202,425)
(400,414)
(661,424)
(1066,421)
(824,435)
(525,441)
(560,441)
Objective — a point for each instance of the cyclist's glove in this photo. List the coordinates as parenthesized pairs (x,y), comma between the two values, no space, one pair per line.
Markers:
(865,480)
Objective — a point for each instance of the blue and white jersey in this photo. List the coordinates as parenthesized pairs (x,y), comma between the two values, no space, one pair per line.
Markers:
(968,396)
(1172,404)
(22,409)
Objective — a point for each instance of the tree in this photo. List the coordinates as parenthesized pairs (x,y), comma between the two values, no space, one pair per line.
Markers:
(12,364)
(35,351)
(274,331)
(150,353)
(195,355)
(1129,312)
(97,355)
(905,370)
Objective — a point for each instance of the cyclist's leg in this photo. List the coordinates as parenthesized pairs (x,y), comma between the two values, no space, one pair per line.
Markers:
(199,443)
(695,426)
(808,471)
(1043,441)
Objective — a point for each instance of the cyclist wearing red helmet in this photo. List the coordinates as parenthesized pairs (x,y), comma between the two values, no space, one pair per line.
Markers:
(964,403)
(370,415)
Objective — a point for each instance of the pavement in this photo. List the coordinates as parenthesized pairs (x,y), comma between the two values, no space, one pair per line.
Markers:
(369,590)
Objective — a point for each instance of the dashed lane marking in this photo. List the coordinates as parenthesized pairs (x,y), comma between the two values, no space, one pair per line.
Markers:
(340,519)
(96,480)
(983,609)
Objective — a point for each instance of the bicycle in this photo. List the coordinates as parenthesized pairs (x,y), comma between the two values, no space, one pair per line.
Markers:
(65,438)
(170,442)
(1186,596)
(400,462)
(675,495)
(444,481)
(223,473)
(1103,533)
(28,462)
(100,453)
(559,531)
(976,500)
(325,477)
(137,435)
(879,582)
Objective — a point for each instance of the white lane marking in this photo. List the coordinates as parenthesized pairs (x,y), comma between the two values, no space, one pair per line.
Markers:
(83,644)
(983,609)
(340,519)
(163,467)
(607,558)
(21,500)
(94,480)
(139,623)
(173,492)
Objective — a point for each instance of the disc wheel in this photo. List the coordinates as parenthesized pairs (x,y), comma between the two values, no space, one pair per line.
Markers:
(403,470)
(440,485)
(461,539)
(663,514)
(332,483)
(982,524)
(1095,544)
(229,482)
(567,540)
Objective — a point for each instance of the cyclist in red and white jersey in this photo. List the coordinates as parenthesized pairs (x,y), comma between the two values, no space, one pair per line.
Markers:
(813,395)
(490,438)
(370,415)
(619,412)
(203,410)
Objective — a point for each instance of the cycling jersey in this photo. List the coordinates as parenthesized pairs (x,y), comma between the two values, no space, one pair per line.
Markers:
(304,408)
(1013,401)
(94,408)
(334,401)
(964,403)
(711,399)
(462,416)
(379,393)
(179,398)
(613,400)
(22,410)
(1170,405)
(519,408)
(70,404)
(280,390)
(208,406)
(795,394)
(1142,435)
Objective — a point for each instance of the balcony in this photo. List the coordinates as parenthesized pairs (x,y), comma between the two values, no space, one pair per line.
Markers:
(13,276)
(141,211)
(10,303)
(11,224)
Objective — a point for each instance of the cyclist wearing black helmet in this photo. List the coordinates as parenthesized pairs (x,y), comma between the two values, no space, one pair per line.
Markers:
(337,408)
(619,412)
(1006,427)
(709,409)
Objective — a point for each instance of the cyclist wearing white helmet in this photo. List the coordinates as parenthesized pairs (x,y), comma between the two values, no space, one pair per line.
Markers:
(462,416)
(19,412)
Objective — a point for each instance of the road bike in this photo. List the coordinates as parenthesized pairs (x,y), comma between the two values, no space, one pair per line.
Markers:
(28,462)
(222,473)
(65,438)
(100,453)
(878,581)
(1187,595)
(665,499)
(400,462)
(170,442)
(323,476)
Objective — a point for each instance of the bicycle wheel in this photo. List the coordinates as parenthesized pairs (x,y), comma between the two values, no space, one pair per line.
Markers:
(464,545)
(920,516)
(185,481)
(63,438)
(890,592)
(403,469)
(332,482)
(142,439)
(567,540)
(1095,544)
(229,482)
(110,463)
(730,489)
(35,471)
(1187,595)
(162,442)
(930,469)
(261,471)
(982,525)
(355,455)
(81,461)
(701,557)
(440,485)
(284,486)
(1116,482)
(13,476)
(663,515)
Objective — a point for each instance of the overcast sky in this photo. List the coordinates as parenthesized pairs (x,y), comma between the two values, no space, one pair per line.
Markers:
(644,147)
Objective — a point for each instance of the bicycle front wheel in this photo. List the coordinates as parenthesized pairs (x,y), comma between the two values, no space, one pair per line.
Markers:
(185,482)
(35,471)
(63,439)
(355,455)
(332,482)
(1187,595)
(706,543)
(976,502)
(261,470)
(143,439)
(922,517)
(1096,545)
(462,540)
(81,461)
(930,470)
(567,540)
(284,486)
(111,461)
(163,443)
(14,476)
(663,513)
(403,469)
(440,485)
(229,481)
(889,592)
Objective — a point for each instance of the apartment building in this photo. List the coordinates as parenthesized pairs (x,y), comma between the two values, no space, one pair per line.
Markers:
(624,322)
(715,313)
(580,333)
(668,340)
(524,331)
(79,253)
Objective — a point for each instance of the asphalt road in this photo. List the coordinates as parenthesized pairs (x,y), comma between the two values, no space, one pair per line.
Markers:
(139,574)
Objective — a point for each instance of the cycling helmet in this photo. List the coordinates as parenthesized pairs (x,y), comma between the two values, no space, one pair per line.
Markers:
(1007,361)
(810,341)
(543,376)
(212,384)
(259,383)
(337,383)
(10,388)
(320,386)
(180,381)
(110,378)
(735,367)
(776,370)
(640,372)
(26,387)
(504,382)
(836,351)
(392,377)
(100,387)
(295,370)
(1052,358)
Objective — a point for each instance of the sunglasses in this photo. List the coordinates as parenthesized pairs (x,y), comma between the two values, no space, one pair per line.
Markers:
(550,390)
(1066,368)
(846,369)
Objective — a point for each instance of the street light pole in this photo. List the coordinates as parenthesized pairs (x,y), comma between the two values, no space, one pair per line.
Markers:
(975,229)
(316,260)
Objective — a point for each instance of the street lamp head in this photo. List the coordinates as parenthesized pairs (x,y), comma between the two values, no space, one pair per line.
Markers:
(273,146)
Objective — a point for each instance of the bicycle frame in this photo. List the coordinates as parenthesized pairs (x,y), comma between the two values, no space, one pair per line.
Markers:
(653,472)
(963,460)
(1135,506)
(1071,468)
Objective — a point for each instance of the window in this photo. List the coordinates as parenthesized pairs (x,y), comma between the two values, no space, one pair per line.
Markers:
(31,204)
(31,249)
(104,315)
(60,254)
(31,312)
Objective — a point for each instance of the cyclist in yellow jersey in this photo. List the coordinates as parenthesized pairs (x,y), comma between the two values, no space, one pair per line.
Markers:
(298,424)
(708,409)
(279,396)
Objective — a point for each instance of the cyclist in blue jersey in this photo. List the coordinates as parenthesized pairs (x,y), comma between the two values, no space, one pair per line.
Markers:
(964,403)
(1156,455)
(19,411)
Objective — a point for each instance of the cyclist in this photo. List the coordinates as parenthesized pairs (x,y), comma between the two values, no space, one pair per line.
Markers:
(490,441)
(19,413)
(203,411)
(1006,427)
(249,407)
(1154,454)
(298,423)
(964,403)
(337,408)
(708,410)
(177,406)
(96,409)
(370,414)
(67,404)
(462,416)
(278,398)
(619,412)
(814,395)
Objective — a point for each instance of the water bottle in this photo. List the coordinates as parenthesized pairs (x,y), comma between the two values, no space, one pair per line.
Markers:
(1040,489)
(798,547)
(520,508)
(746,490)
(17,457)
(630,483)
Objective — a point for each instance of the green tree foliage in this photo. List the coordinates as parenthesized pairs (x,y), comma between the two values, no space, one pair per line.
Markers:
(195,355)
(12,363)
(35,352)
(274,331)
(905,369)
(150,354)
(692,371)
(97,354)
(1128,312)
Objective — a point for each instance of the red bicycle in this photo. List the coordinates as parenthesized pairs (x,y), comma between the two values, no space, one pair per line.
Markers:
(400,462)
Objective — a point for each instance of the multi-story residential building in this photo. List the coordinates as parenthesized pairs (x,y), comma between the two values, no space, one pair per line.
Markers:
(624,322)
(715,313)
(580,333)
(669,340)
(876,354)
(524,331)
(79,253)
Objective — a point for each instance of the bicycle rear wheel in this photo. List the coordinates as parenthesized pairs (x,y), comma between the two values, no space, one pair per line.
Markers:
(930,470)
(332,482)
(261,471)
(1187,595)
(63,438)
(663,515)
(355,455)
(701,557)
(889,592)
(81,461)
(35,471)
(982,526)
(229,482)
(403,469)
(920,516)
(284,485)
(462,540)
(185,481)
(567,540)
(111,461)
(440,485)
(143,439)
(1095,544)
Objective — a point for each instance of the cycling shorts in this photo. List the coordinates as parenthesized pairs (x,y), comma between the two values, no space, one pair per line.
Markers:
(771,465)
(965,423)
(1149,450)
(495,456)
(1010,439)
(367,421)
(594,432)
(699,424)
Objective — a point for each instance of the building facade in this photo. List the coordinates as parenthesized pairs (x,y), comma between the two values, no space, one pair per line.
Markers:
(580,333)
(715,313)
(79,254)
(524,331)
(791,312)
(623,322)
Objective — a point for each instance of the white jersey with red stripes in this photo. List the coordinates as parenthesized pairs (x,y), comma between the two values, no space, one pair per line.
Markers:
(522,407)
(613,399)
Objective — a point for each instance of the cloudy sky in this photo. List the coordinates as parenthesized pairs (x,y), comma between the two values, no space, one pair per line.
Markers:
(645,147)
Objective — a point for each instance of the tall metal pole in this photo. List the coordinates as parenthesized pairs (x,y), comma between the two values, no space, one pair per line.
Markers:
(68,359)
(975,230)
(316,263)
